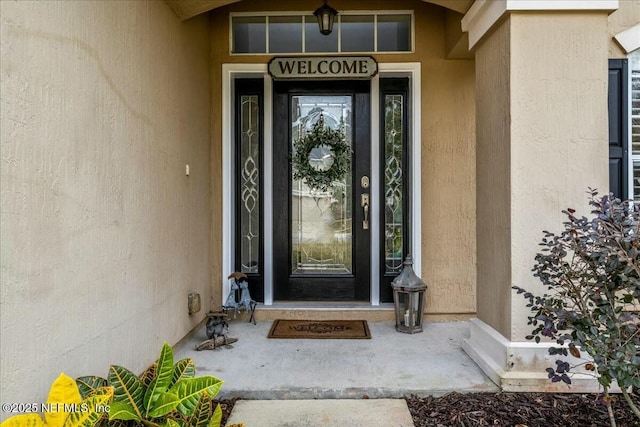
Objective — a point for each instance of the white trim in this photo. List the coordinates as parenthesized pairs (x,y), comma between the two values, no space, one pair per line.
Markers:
(609,5)
(375,181)
(633,59)
(413,70)
(630,156)
(484,14)
(227,184)
(481,17)
(229,71)
(520,366)
(629,39)
(267,158)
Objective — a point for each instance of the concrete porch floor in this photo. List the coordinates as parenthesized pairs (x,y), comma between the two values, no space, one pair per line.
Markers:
(389,365)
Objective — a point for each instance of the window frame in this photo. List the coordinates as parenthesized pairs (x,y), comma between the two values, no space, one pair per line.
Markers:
(633,66)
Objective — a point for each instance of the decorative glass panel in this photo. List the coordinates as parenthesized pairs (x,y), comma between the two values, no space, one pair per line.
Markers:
(357,33)
(285,34)
(315,41)
(635,112)
(250,184)
(393,224)
(249,34)
(394,33)
(321,221)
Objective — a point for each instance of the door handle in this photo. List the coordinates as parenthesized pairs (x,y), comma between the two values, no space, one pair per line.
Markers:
(364,202)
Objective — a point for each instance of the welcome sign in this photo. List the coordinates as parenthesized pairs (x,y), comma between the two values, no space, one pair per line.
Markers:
(319,67)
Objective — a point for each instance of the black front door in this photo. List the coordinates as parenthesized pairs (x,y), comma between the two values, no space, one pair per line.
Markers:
(321,235)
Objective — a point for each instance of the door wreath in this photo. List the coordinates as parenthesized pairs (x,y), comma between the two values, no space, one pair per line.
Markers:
(320,136)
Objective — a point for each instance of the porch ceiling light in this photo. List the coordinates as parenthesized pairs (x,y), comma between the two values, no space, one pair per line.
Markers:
(408,299)
(326,15)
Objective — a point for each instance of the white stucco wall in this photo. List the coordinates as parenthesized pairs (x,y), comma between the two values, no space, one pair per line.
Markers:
(102,233)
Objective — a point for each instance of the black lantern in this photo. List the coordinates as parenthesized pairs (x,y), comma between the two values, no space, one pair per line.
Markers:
(326,15)
(408,299)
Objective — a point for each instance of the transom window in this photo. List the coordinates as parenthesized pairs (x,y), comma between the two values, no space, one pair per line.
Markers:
(353,32)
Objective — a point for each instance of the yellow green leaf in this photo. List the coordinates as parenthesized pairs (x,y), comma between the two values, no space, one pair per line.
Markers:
(120,410)
(184,368)
(216,419)
(62,396)
(88,385)
(160,384)
(25,420)
(149,374)
(128,388)
(189,391)
(91,410)
(201,413)
(166,403)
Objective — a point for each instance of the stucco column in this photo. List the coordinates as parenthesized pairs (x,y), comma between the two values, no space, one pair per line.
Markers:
(541,100)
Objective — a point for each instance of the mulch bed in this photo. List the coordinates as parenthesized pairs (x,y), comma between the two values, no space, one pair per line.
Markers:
(509,409)
(512,409)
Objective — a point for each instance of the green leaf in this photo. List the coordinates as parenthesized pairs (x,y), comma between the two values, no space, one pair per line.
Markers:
(160,384)
(115,423)
(166,403)
(184,368)
(128,389)
(189,391)
(92,409)
(89,384)
(172,423)
(201,413)
(216,419)
(120,410)
(149,374)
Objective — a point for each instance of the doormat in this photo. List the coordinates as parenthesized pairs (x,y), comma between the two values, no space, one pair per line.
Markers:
(320,329)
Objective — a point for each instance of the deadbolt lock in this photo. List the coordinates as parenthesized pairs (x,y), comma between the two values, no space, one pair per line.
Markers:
(364,182)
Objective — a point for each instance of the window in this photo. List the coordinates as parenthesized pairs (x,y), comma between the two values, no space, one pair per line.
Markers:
(317,42)
(634,66)
(624,126)
(357,33)
(394,94)
(353,32)
(394,33)
(248,34)
(285,34)
(249,242)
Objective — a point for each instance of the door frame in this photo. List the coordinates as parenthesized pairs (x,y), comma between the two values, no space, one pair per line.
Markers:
(233,71)
(354,286)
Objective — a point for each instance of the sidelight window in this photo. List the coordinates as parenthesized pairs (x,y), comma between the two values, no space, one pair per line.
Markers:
(249,245)
(634,62)
(395,206)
